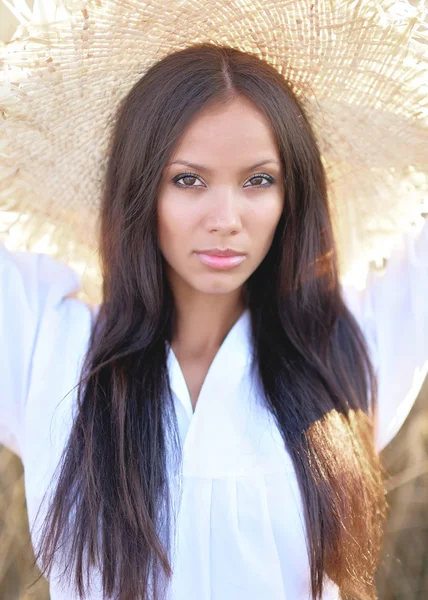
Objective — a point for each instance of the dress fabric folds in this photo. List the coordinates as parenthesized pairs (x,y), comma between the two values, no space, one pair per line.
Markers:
(239,529)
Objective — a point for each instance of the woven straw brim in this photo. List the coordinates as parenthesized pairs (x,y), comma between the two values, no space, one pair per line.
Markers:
(360,68)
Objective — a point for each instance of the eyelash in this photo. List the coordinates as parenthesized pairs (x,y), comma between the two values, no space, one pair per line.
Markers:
(188,174)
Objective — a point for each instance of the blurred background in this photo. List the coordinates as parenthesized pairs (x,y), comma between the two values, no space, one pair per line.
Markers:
(403,571)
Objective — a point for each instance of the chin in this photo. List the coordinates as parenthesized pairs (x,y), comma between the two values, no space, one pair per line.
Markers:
(218,287)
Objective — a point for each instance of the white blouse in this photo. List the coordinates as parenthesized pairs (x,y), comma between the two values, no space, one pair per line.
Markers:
(240,530)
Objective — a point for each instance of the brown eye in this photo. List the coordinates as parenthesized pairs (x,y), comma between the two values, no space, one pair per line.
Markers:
(188,179)
(259,177)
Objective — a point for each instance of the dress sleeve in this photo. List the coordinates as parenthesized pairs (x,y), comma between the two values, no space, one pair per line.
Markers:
(32,287)
(392,311)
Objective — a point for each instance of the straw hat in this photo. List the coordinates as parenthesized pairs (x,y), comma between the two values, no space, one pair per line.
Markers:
(360,68)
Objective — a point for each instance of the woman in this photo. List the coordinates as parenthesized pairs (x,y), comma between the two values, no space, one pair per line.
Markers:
(223,439)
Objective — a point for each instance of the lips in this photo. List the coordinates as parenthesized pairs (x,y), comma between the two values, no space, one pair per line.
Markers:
(218,252)
(216,261)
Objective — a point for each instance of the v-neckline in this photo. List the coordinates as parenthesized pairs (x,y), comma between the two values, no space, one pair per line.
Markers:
(178,381)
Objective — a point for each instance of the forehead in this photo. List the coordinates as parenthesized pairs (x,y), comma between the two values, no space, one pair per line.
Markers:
(237,131)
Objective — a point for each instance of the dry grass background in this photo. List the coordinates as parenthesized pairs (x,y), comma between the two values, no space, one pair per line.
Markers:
(403,572)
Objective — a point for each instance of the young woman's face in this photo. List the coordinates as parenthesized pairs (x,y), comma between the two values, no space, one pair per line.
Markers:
(224,202)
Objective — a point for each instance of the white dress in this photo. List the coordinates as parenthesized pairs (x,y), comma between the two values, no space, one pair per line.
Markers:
(240,531)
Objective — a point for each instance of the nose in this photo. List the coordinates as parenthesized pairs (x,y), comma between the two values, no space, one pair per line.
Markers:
(224,213)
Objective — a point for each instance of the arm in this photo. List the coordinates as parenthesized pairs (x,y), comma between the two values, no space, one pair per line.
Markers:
(392,311)
(31,287)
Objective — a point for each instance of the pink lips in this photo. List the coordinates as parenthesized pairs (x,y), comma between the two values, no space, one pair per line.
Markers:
(220,262)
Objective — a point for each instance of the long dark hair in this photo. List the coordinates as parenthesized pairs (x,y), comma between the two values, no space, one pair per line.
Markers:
(310,353)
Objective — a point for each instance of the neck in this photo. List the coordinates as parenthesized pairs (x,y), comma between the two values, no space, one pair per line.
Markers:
(202,323)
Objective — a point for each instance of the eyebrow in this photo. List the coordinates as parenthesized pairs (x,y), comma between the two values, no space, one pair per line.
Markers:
(208,170)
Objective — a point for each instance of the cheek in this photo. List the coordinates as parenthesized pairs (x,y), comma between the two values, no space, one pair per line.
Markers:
(264,223)
(174,225)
